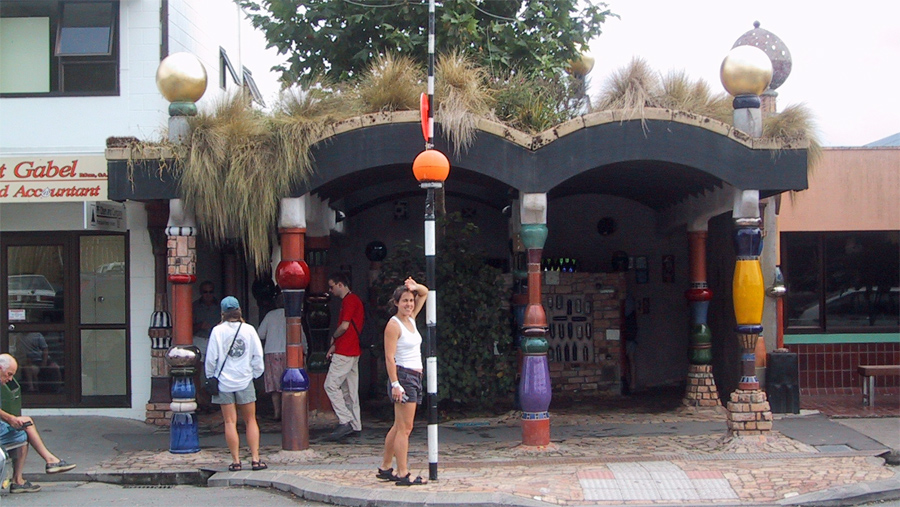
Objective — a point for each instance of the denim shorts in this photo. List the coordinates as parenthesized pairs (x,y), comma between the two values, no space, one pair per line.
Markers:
(411,382)
(10,435)
(243,397)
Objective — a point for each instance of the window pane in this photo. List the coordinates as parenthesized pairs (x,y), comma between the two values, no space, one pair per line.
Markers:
(103,362)
(85,29)
(25,55)
(35,284)
(102,279)
(89,77)
(802,274)
(41,361)
(862,280)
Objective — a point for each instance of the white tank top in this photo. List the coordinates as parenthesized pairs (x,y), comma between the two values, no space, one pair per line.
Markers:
(409,346)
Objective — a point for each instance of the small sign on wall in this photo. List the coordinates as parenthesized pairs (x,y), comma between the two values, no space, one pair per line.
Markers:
(104,216)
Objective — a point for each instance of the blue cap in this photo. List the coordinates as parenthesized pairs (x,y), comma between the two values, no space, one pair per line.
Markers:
(230,303)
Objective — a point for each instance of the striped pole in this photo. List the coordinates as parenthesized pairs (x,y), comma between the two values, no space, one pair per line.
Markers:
(431,302)
(431,340)
(429,142)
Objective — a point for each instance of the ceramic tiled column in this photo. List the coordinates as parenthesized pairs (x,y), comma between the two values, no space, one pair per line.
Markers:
(183,357)
(534,385)
(746,72)
(701,385)
(292,275)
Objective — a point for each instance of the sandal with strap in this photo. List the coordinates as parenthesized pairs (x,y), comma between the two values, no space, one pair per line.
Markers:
(387,475)
(234,467)
(258,465)
(405,481)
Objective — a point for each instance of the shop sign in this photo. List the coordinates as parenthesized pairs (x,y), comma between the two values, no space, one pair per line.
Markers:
(55,178)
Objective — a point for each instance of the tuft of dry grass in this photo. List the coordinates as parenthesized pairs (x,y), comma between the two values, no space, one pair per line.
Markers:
(631,89)
(391,83)
(795,124)
(241,162)
(680,92)
(461,97)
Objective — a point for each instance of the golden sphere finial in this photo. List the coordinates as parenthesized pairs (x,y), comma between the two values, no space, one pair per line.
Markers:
(181,77)
(746,71)
(581,65)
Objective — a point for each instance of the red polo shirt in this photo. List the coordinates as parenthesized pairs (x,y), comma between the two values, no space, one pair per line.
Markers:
(351,311)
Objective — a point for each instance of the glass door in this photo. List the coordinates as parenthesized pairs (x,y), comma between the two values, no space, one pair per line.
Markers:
(35,314)
(65,317)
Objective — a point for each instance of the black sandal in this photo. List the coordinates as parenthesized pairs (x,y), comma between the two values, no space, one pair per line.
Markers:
(405,481)
(258,465)
(234,467)
(386,475)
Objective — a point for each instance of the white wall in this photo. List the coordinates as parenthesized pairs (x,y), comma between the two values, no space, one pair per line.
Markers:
(81,125)
(46,125)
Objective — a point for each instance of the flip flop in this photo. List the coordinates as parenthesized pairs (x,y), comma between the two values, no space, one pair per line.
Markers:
(234,467)
(405,481)
(258,465)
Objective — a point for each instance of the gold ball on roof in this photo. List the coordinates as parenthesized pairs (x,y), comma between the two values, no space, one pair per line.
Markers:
(581,65)
(181,77)
(746,71)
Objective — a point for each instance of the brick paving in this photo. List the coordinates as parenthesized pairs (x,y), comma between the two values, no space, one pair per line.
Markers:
(698,469)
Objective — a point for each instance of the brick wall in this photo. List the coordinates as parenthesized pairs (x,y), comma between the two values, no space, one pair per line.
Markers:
(830,368)
(600,295)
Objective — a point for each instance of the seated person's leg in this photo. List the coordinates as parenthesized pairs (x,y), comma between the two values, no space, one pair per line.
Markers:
(9,436)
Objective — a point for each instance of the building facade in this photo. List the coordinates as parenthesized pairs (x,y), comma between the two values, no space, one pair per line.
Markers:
(77,269)
(840,250)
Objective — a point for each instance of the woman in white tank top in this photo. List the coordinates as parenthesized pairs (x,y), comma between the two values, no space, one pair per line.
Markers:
(403,360)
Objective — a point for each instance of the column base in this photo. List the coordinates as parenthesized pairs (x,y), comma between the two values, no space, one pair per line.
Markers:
(749,413)
(183,435)
(536,428)
(701,387)
(294,421)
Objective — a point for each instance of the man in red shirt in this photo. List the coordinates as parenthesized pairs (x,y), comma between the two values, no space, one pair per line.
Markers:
(342,381)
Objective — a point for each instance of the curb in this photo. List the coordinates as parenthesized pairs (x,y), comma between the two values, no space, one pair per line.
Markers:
(319,491)
(887,489)
(156,478)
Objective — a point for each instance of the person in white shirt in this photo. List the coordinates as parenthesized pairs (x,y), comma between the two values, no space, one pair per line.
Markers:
(235,356)
(273,331)
(403,360)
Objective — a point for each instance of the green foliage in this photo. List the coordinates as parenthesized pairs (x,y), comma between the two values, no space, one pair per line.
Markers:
(533,103)
(471,319)
(339,38)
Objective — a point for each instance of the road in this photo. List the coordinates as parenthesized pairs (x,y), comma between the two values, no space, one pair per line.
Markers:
(95,494)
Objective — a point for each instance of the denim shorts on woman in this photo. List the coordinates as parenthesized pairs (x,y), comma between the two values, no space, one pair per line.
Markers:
(411,382)
(243,397)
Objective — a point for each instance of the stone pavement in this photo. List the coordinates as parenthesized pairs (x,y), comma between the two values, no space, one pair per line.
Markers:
(628,455)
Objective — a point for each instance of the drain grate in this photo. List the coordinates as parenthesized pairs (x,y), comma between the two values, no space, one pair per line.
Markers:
(148,486)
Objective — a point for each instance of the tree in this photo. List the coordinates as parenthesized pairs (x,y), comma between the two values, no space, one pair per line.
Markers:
(336,39)
(477,360)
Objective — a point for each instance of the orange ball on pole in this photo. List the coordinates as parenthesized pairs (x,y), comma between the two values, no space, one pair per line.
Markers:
(431,165)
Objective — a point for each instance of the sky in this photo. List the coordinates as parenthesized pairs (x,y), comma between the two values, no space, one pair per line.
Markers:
(846,55)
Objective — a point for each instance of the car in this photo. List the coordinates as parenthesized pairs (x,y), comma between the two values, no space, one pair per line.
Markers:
(30,291)
(858,308)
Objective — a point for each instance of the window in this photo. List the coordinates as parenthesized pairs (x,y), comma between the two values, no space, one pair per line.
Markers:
(226,69)
(842,281)
(251,89)
(59,47)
